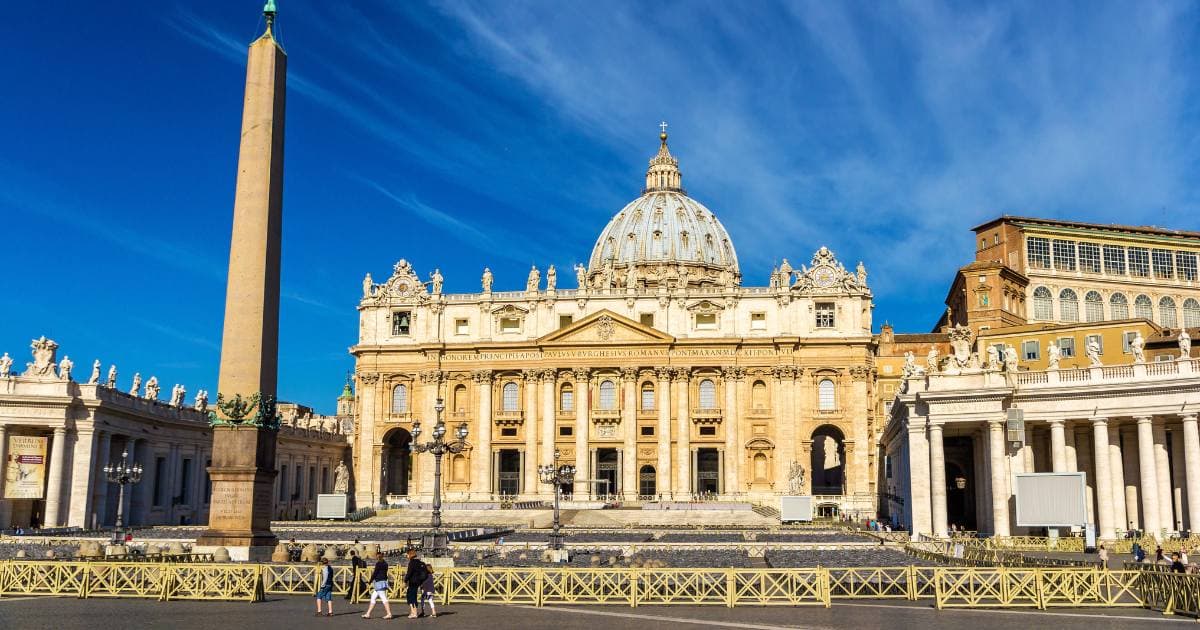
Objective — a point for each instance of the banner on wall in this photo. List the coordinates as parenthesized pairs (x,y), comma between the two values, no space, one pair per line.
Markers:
(25,470)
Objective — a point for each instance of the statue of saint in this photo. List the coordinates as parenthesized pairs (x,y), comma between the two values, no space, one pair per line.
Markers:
(136,390)
(535,278)
(910,364)
(931,361)
(831,454)
(367,285)
(1138,348)
(201,403)
(993,361)
(1185,345)
(1010,358)
(551,278)
(6,365)
(94,379)
(795,478)
(1054,355)
(631,277)
(610,275)
(580,276)
(65,367)
(861,274)
(1093,352)
(341,479)
(436,280)
(152,388)
(487,280)
(111,383)
(785,271)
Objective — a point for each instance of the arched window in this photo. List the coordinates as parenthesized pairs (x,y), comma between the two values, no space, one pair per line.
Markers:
(566,398)
(1118,306)
(510,397)
(758,395)
(1167,316)
(1068,305)
(1093,307)
(825,398)
(647,396)
(608,395)
(1043,304)
(708,394)
(1191,313)
(400,399)
(1143,308)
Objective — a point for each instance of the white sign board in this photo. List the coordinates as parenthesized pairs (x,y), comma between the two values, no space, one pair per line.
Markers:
(332,505)
(795,509)
(1050,499)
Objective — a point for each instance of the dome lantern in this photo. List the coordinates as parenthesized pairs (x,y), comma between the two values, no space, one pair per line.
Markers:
(663,173)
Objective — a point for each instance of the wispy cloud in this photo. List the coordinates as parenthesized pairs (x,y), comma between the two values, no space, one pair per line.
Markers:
(176,333)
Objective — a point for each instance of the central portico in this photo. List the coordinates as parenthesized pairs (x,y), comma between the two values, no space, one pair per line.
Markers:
(659,376)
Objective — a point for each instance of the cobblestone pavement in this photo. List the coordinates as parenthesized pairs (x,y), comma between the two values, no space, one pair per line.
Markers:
(295,613)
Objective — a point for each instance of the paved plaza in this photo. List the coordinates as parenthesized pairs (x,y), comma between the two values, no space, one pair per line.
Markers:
(296,614)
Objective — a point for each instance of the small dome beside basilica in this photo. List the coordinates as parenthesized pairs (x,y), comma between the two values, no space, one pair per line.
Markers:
(663,236)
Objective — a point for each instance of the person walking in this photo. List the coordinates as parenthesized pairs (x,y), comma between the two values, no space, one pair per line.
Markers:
(1177,564)
(1103,557)
(379,587)
(325,592)
(427,592)
(414,577)
(356,564)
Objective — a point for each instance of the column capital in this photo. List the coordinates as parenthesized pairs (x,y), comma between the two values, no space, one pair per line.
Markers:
(482,376)
(933,426)
(581,373)
(1057,423)
(60,430)
(531,374)
(995,425)
(1186,417)
(629,373)
(1144,419)
(1099,420)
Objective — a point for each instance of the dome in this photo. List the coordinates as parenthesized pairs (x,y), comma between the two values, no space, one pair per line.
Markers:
(662,235)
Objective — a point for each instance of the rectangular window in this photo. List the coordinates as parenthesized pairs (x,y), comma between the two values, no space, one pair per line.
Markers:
(401,323)
(647,431)
(1139,262)
(648,399)
(160,474)
(1164,264)
(283,482)
(1031,350)
(1064,255)
(508,432)
(758,321)
(462,327)
(185,482)
(510,324)
(1089,257)
(1114,259)
(1037,252)
(1163,358)
(647,319)
(1127,341)
(825,312)
(565,320)
(1185,264)
(566,431)
(1067,347)
(706,321)
(708,430)
(567,400)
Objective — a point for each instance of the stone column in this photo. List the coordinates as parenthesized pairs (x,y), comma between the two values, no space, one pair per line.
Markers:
(5,504)
(1133,478)
(481,456)
(1191,455)
(785,421)
(628,458)
(683,437)
(1084,454)
(1162,472)
(1178,477)
(1058,446)
(919,482)
(1104,489)
(583,463)
(549,430)
(937,480)
(100,496)
(1072,455)
(662,398)
(999,478)
(731,420)
(529,463)
(367,490)
(83,478)
(1117,466)
(1149,476)
(54,484)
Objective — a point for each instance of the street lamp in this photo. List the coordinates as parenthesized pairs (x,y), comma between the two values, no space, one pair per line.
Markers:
(556,475)
(122,474)
(438,542)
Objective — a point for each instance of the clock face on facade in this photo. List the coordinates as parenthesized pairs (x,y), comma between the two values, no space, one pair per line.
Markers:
(823,277)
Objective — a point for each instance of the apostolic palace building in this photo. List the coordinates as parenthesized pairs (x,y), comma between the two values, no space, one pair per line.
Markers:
(659,373)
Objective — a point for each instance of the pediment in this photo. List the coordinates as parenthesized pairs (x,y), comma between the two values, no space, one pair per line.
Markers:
(606,327)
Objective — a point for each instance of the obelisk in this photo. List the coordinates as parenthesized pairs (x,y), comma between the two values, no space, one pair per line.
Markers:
(245,422)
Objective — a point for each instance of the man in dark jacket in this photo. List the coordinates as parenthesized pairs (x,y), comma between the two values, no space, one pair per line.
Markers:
(414,577)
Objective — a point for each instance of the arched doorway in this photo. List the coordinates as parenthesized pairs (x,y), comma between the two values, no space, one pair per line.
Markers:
(647,481)
(828,462)
(396,462)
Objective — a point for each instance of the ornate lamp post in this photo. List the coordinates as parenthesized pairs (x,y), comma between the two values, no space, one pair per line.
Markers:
(122,474)
(435,540)
(556,475)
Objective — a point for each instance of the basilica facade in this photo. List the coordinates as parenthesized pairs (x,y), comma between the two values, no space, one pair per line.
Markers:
(659,374)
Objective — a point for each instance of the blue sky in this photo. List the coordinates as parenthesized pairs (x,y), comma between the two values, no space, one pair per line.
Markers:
(459,135)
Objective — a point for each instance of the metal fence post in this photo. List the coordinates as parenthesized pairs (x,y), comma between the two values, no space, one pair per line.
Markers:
(633,587)
(730,588)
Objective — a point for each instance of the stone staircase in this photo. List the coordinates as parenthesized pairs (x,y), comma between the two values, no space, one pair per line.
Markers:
(768,512)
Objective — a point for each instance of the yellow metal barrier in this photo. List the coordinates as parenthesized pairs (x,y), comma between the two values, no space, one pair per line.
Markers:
(302,579)
(230,582)
(126,580)
(789,587)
